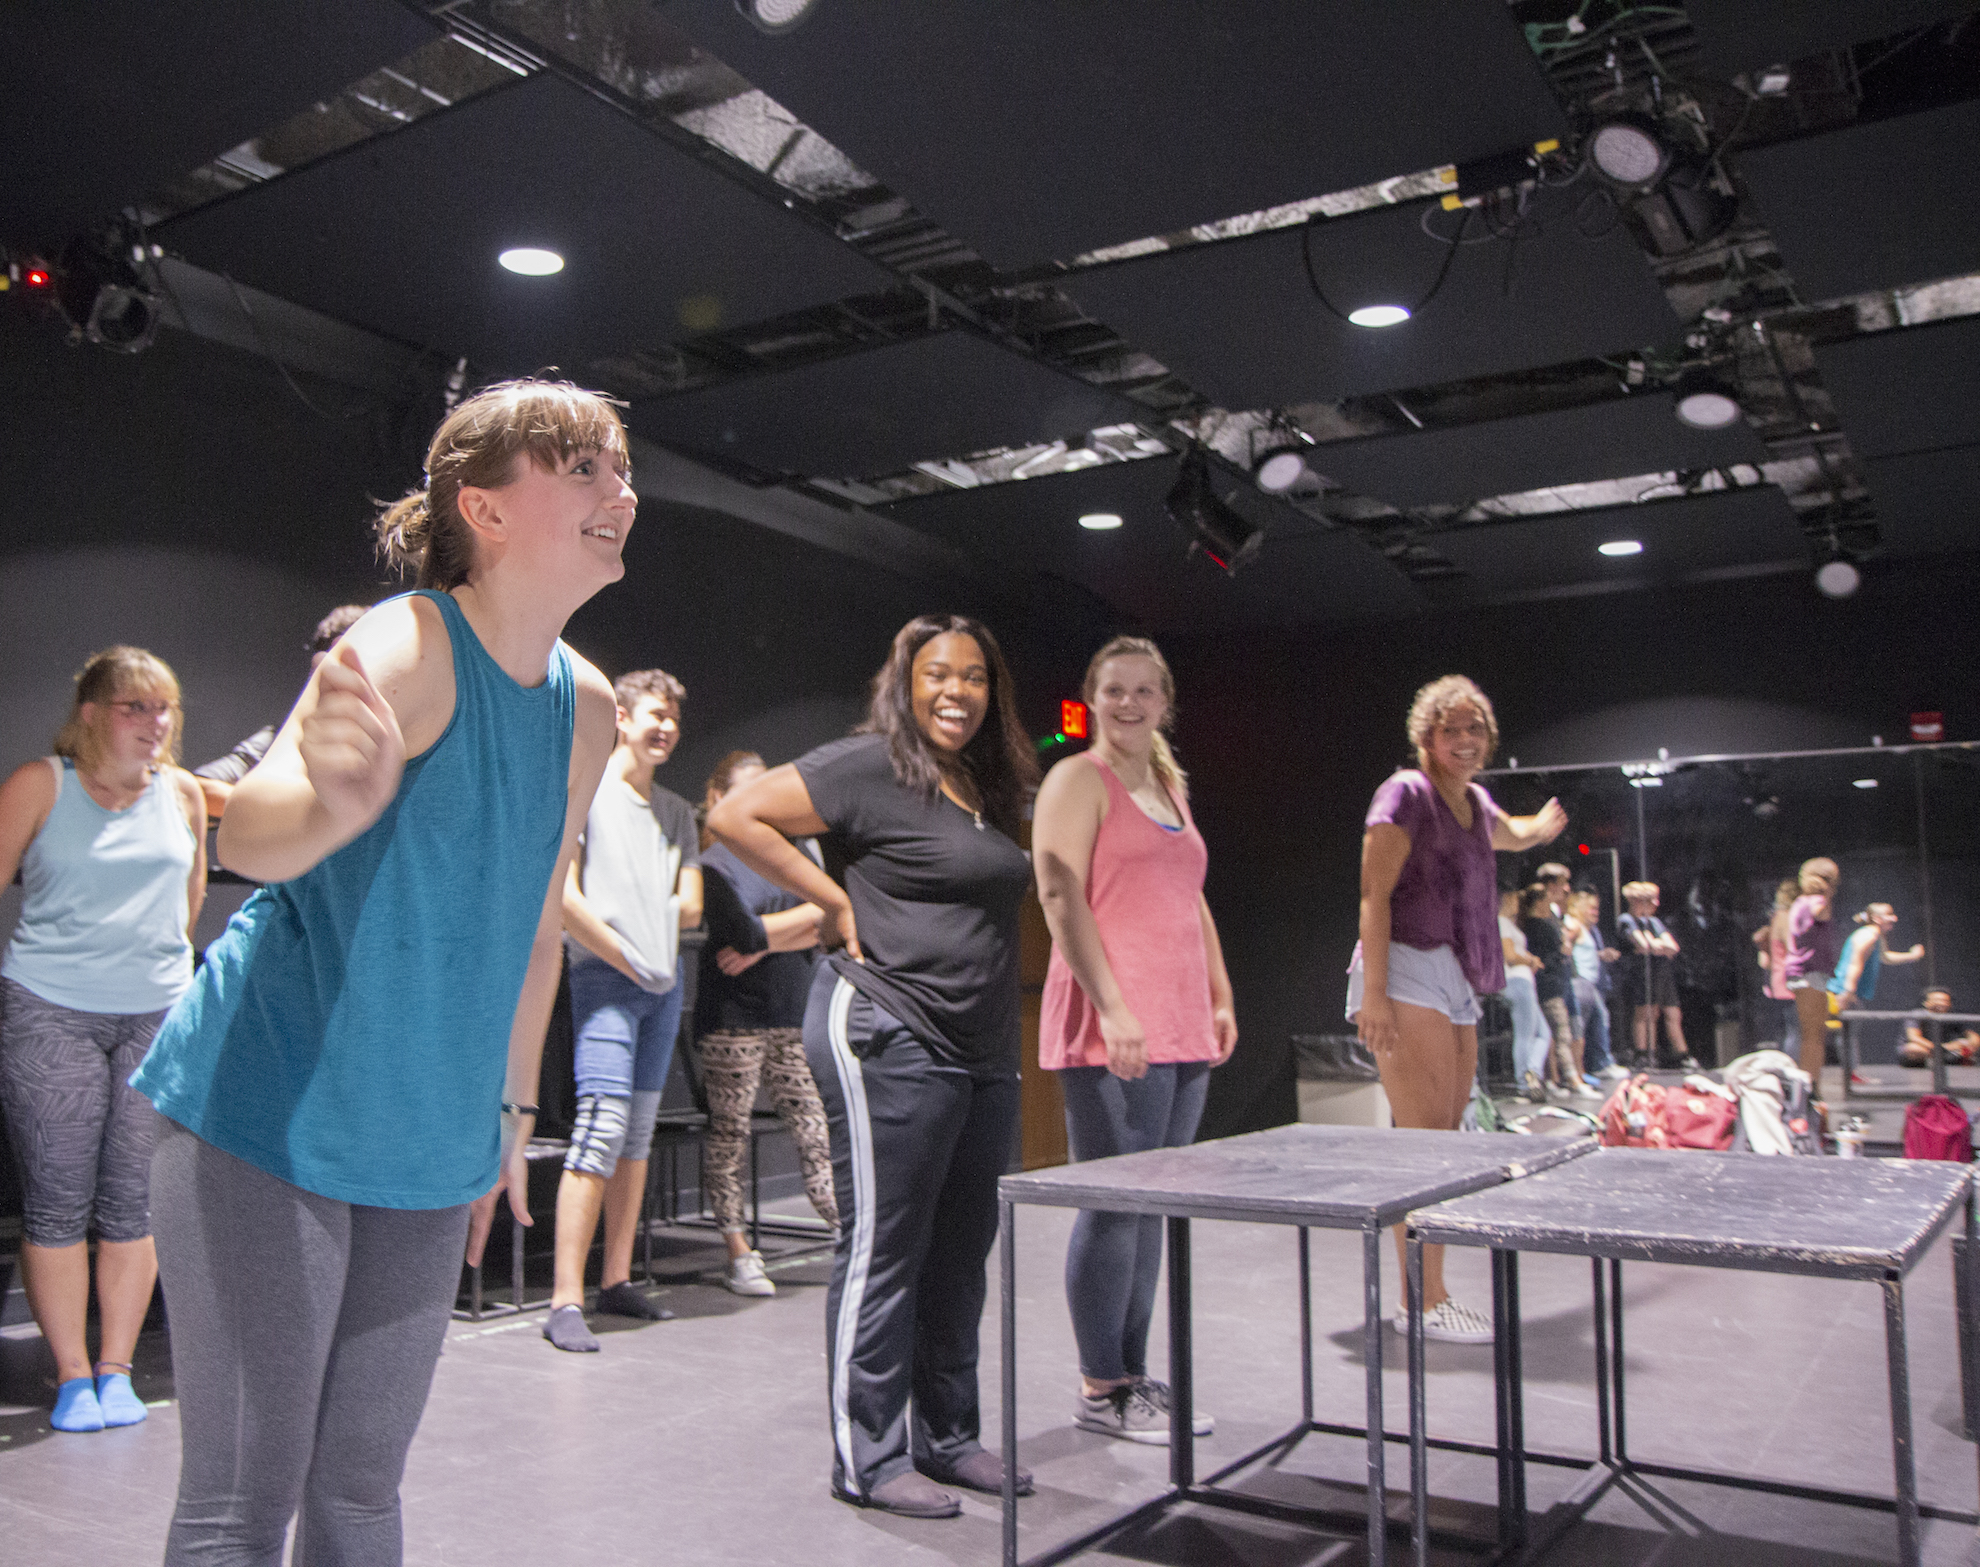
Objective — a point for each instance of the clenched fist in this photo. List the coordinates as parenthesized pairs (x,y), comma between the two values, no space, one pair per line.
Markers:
(350,744)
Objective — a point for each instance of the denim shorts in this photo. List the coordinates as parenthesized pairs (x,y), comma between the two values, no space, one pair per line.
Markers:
(1422,979)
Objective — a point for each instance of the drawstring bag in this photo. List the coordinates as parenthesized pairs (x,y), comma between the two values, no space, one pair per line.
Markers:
(1935,1127)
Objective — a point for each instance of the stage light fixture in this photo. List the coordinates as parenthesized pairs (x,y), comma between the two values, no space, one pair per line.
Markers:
(1279,468)
(1100,521)
(1211,526)
(1627,151)
(777,16)
(1863,783)
(1838,578)
(1616,548)
(38,279)
(528,261)
(1379,315)
(1705,402)
(104,297)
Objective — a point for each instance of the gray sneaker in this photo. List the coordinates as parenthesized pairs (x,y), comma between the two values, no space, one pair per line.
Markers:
(1126,1412)
(1157,1393)
(745,1275)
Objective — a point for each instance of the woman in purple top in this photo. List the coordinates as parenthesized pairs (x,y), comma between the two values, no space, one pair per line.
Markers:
(1430,935)
(1814,941)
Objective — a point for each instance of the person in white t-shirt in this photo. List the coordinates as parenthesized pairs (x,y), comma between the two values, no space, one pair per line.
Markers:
(635,884)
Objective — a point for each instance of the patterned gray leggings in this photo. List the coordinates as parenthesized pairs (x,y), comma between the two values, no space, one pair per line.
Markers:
(82,1134)
(732,1064)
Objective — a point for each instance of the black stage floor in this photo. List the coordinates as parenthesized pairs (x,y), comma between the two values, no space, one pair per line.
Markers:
(703,1440)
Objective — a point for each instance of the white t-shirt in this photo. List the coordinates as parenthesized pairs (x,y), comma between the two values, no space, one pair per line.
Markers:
(629,877)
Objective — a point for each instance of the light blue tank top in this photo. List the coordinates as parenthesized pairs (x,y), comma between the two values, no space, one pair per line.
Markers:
(349,1033)
(103,923)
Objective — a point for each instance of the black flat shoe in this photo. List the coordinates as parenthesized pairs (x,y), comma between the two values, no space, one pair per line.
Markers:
(624,1300)
(982,1471)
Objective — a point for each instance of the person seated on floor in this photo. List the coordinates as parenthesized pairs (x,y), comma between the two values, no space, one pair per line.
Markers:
(218,777)
(635,883)
(1916,1050)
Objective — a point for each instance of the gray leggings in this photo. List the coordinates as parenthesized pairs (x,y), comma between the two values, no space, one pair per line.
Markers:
(304,1334)
(1113,1258)
(81,1132)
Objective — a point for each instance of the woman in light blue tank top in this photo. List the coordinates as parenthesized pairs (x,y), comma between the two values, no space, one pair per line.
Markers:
(353,1066)
(109,838)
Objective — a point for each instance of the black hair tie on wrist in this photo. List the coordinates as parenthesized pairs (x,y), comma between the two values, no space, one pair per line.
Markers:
(510,1109)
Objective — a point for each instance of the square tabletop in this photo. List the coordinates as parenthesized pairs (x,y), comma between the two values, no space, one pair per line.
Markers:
(1835,1218)
(1326,1177)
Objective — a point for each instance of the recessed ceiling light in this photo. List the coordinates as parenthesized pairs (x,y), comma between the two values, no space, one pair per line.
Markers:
(1278,470)
(776,16)
(1865,783)
(1838,579)
(1379,315)
(531,262)
(1620,547)
(1100,521)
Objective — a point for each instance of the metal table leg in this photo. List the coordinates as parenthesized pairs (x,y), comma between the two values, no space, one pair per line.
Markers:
(1182,1376)
(1371,1345)
(1616,1359)
(1901,1449)
(1007,1272)
(1601,1362)
(1305,1326)
(1419,1419)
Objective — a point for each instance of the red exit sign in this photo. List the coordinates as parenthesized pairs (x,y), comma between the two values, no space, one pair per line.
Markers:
(1072,720)
(1928,727)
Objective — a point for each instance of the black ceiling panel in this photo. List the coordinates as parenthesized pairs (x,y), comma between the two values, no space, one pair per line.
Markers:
(401,235)
(1238,319)
(1607,440)
(1681,538)
(1927,502)
(883,409)
(1036,130)
(1874,206)
(102,104)
(1908,390)
(1738,35)
(1303,574)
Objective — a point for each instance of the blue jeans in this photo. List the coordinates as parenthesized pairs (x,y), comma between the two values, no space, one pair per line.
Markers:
(1113,1259)
(1596,1055)
(625,1035)
(1533,1036)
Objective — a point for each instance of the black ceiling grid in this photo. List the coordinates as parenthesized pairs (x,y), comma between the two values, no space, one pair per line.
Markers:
(882,409)
(1741,35)
(1927,502)
(1037,131)
(1626,435)
(1239,319)
(1873,206)
(1906,390)
(401,235)
(1304,574)
(104,103)
(1555,554)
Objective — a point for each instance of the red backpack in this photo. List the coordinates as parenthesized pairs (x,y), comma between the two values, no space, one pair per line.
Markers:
(1935,1127)
(1633,1117)
(1694,1118)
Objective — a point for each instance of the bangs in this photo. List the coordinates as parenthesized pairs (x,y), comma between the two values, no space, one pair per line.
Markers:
(553,423)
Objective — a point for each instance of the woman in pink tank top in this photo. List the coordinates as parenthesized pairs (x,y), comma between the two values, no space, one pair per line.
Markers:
(1137,1006)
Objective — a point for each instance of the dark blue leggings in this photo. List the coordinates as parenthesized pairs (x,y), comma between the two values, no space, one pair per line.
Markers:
(1114,1258)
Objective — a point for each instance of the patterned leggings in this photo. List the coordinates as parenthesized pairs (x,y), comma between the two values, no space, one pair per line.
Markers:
(731,1066)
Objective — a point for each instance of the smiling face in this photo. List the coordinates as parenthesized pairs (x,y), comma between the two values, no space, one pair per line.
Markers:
(651,730)
(566,525)
(1937,1001)
(131,730)
(1458,743)
(949,690)
(1130,701)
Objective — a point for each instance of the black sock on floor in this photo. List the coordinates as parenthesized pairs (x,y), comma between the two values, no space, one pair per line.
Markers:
(624,1300)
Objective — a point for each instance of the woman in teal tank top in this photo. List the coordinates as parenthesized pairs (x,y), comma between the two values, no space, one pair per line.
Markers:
(109,837)
(352,1069)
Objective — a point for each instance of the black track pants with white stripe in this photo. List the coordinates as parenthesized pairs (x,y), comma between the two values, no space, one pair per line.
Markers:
(917,1147)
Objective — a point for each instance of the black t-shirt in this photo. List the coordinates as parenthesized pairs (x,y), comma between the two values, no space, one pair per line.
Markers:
(1544,939)
(770,993)
(1631,964)
(935,892)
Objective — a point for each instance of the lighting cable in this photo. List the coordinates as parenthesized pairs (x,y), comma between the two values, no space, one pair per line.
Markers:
(1313,280)
(269,353)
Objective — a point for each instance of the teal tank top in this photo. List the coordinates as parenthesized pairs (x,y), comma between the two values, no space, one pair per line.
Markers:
(349,1032)
(103,917)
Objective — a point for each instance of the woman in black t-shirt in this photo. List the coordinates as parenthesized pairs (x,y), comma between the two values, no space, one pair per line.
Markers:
(912,1031)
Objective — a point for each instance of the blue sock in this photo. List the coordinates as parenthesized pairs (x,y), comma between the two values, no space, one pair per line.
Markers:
(120,1404)
(76,1408)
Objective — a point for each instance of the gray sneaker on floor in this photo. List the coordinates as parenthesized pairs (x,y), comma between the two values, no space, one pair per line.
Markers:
(745,1275)
(1125,1412)
(1157,1393)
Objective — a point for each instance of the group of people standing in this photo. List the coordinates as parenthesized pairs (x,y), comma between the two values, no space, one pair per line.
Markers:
(321,1118)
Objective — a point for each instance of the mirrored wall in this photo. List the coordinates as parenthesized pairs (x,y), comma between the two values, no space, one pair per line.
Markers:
(1718,835)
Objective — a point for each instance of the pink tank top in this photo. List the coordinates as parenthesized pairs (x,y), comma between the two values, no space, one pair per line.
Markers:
(1143,884)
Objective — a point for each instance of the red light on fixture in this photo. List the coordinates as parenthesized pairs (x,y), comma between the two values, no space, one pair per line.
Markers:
(1584,848)
(36,277)
(1072,720)
(1928,727)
